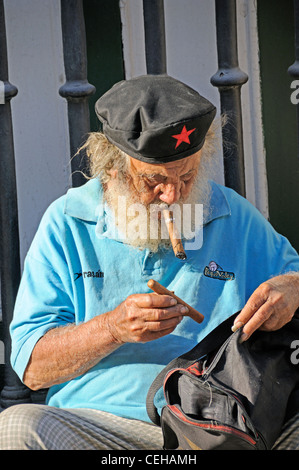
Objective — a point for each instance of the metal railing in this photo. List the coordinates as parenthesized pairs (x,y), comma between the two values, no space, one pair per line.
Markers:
(76,89)
(229,78)
(13,390)
(154,33)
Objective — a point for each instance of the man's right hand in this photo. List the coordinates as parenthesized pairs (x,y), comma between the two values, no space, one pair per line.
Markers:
(66,352)
(144,317)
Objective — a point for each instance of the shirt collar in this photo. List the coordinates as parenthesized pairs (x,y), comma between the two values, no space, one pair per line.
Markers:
(219,205)
(85,202)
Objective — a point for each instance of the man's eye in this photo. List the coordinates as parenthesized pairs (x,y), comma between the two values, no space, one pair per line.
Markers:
(158,179)
(150,182)
(153,181)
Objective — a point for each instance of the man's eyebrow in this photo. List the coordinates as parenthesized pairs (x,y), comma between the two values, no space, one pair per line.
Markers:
(155,175)
(151,175)
(188,172)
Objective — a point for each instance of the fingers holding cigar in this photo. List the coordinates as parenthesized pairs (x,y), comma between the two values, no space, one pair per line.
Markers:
(159,289)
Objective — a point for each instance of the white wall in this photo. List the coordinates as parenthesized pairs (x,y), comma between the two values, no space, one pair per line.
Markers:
(39,114)
(255,157)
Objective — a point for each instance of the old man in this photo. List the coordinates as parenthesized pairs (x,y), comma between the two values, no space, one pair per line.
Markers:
(86,326)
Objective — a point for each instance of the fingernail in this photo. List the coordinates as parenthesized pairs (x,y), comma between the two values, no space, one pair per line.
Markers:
(173,301)
(243,338)
(184,310)
(237,325)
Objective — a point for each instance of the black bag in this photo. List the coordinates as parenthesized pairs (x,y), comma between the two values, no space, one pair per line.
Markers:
(223,394)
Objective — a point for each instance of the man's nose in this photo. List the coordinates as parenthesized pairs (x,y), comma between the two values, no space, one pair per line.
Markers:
(170,193)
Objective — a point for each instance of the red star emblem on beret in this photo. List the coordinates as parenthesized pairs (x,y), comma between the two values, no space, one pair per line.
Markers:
(183,136)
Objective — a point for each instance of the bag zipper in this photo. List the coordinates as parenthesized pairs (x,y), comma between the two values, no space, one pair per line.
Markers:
(218,427)
(218,353)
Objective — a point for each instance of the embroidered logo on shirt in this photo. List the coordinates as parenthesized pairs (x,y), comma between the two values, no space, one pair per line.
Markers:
(89,274)
(215,271)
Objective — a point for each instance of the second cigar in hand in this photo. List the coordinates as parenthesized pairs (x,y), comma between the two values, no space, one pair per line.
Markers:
(159,289)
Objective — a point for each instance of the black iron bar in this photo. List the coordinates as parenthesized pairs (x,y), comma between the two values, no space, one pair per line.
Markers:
(154,31)
(76,89)
(229,78)
(13,392)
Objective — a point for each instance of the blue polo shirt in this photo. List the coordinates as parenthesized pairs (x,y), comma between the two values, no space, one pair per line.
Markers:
(76,270)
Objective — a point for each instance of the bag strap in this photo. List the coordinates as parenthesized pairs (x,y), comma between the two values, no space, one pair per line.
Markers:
(211,342)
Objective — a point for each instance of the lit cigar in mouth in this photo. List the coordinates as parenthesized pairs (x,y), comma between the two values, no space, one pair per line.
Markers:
(174,236)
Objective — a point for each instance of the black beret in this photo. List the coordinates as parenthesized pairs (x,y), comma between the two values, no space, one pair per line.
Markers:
(155,118)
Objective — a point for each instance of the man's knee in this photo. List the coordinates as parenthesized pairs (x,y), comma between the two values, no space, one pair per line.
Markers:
(18,427)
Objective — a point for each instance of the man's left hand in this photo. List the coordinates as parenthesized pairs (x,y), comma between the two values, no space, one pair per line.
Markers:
(271,305)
